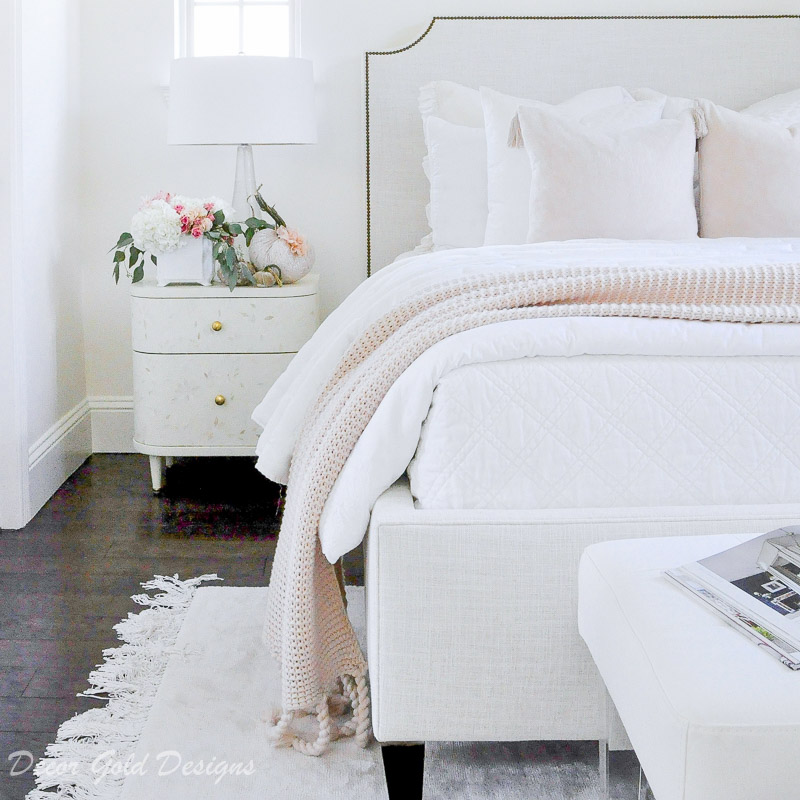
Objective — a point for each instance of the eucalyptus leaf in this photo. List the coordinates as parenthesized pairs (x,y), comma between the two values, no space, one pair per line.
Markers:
(153,259)
(138,274)
(230,257)
(119,256)
(116,273)
(232,281)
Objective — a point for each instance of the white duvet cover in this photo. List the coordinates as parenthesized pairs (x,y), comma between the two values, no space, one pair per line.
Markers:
(389,442)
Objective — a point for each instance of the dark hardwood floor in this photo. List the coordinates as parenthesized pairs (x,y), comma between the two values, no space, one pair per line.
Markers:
(67,578)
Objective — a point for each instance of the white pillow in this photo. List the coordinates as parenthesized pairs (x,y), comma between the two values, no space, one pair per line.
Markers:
(456,170)
(459,108)
(749,175)
(782,109)
(508,172)
(630,184)
(451,101)
(673,106)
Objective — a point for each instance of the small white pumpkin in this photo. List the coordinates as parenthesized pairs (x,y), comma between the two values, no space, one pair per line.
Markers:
(283,248)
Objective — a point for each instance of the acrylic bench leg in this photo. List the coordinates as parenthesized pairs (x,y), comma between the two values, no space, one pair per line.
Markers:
(603,769)
(645,792)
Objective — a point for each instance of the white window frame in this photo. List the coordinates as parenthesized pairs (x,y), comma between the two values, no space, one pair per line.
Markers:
(184,24)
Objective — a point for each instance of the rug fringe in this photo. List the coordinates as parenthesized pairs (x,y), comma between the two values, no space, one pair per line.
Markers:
(128,679)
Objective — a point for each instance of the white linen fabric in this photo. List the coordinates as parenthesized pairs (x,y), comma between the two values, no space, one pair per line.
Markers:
(589,183)
(508,169)
(390,439)
(456,169)
(749,176)
(592,431)
(455,596)
(710,715)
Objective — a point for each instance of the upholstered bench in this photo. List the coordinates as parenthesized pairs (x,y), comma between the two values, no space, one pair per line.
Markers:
(710,715)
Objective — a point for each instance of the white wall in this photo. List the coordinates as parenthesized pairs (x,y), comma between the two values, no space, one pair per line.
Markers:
(41,166)
(13,431)
(126,49)
(51,211)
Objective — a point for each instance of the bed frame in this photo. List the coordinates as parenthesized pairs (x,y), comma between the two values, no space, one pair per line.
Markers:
(472,616)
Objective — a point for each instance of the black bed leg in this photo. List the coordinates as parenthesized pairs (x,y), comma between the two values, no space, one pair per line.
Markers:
(403,765)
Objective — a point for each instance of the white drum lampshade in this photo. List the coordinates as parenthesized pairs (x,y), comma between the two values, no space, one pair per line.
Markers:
(242,100)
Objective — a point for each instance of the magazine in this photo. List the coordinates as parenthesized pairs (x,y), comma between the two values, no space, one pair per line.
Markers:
(756,587)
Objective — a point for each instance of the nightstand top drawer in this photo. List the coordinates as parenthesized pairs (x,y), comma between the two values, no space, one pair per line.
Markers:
(149,288)
(244,323)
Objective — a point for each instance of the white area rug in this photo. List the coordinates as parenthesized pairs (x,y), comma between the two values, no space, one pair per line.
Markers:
(192,690)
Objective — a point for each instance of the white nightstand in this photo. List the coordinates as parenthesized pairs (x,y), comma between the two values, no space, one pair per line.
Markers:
(203,359)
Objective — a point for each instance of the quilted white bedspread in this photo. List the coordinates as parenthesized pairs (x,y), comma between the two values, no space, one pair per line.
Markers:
(389,442)
(613,431)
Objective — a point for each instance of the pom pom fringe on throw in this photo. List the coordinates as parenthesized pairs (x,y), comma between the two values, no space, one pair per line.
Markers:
(354,694)
(129,679)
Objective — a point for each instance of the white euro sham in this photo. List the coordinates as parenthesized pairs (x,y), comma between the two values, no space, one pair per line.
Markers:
(629,183)
(508,172)
(749,175)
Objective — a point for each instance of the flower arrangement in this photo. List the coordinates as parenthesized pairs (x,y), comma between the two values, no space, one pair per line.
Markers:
(166,222)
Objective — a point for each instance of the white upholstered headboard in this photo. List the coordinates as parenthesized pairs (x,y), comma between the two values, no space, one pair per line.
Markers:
(731,60)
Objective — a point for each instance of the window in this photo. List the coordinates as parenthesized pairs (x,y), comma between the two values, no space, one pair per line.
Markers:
(230,27)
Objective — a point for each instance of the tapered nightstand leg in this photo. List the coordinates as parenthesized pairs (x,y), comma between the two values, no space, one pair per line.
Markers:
(169,461)
(157,472)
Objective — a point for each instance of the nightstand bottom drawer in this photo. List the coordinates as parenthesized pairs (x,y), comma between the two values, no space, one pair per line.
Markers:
(201,400)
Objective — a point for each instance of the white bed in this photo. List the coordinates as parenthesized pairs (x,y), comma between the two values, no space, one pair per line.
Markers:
(526,441)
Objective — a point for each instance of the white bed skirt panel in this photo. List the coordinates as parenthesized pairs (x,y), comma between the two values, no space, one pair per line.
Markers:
(612,431)
(472,615)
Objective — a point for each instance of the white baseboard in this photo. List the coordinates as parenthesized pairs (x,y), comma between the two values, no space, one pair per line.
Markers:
(57,454)
(112,424)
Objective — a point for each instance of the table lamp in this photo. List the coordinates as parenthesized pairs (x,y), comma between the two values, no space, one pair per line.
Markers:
(241,100)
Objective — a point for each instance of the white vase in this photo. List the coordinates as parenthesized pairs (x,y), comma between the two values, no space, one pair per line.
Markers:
(192,263)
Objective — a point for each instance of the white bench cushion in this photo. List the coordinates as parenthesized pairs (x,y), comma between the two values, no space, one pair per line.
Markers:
(710,715)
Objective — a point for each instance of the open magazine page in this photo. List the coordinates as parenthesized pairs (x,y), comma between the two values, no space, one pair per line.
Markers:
(756,586)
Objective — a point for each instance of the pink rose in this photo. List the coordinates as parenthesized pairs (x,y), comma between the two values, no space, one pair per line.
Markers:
(209,207)
(179,208)
(185,224)
(197,231)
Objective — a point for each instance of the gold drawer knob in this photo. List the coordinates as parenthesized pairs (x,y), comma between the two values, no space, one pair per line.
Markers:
(216,325)
(220,400)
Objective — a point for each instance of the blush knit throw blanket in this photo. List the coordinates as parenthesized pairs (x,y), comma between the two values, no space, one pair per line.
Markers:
(323,669)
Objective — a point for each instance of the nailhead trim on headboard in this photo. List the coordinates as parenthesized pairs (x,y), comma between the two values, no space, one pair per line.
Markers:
(371,53)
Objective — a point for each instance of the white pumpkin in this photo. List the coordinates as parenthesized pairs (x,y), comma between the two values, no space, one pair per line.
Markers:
(285,249)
